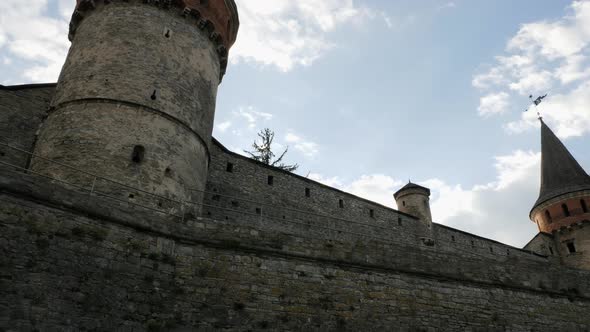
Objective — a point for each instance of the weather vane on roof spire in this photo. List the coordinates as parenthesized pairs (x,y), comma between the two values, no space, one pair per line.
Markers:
(536,102)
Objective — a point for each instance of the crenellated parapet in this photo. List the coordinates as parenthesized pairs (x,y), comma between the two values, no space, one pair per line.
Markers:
(219,19)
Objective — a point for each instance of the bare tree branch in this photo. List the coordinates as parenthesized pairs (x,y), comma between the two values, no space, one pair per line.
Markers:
(263,152)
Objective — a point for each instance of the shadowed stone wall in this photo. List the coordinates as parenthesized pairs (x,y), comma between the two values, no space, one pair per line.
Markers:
(70,260)
(22,109)
(296,204)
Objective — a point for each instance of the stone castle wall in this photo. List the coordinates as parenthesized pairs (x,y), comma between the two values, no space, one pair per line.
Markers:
(579,236)
(22,109)
(242,192)
(69,260)
(266,254)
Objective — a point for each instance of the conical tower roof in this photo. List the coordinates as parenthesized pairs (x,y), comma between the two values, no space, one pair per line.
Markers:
(560,172)
(411,185)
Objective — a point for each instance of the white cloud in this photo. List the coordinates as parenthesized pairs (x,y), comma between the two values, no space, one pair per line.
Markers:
(224,126)
(496,103)
(243,120)
(377,188)
(497,210)
(252,116)
(545,56)
(388,20)
(334,181)
(307,148)
(536,80)
(568,114)
(28,34)
(286,33)
(447,5)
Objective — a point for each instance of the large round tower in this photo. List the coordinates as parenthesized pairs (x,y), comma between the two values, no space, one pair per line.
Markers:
(135,100)
(562,209)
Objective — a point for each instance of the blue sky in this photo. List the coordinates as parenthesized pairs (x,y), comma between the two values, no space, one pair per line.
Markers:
(370,93)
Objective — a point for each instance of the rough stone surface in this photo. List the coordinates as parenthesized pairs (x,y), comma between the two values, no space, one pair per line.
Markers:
(415,200)
(22,109)
(228,243)
(70,260)
(111,88)
(244,194)
(579,236)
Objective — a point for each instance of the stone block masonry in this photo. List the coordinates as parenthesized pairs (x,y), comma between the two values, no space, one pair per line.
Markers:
(22,109)
(72,262)
(136,97)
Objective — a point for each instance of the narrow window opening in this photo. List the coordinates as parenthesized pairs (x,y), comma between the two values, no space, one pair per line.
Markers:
(548,216)
(154,95)
(271,180)
(582,202)
(138,154)
(258,211)
(208,213)
(372,213)
(235,203)
(284,217)
(491,250)
(566,211)
(404,203)
(2,154)
(307,192)
(551,250)
(507,252)
(453,238)
(159,204)
(571,247)
(472,244)
(167,33)
(341,203)
(131,196)
(229,168)
(399,221)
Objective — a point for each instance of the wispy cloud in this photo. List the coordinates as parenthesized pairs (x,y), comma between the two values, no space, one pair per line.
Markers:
(495,103)
(447,5)
(286,33)
(334,181)
(224,126)
(252,116)
(306,147)
(544,56)
(39,41)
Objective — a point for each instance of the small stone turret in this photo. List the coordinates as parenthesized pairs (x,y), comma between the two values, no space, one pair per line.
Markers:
(415,200)
(135,100)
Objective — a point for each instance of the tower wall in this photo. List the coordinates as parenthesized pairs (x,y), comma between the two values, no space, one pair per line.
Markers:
(135,100)
(416,202)
(571,227)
